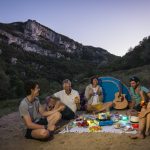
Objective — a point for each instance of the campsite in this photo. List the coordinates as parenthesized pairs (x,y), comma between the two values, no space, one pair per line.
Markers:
(11,138)
(75,137)
(74,75)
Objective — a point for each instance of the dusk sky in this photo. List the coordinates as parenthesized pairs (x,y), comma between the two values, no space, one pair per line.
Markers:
(115,25)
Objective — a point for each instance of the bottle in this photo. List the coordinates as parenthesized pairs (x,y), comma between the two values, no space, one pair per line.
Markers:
(142,103)
(108,113)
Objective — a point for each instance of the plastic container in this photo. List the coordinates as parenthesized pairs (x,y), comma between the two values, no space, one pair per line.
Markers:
(106,123)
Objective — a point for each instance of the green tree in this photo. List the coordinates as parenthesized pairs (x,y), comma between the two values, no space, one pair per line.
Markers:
(4,85)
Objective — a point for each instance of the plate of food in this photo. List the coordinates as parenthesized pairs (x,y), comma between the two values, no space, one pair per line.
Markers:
(134,119)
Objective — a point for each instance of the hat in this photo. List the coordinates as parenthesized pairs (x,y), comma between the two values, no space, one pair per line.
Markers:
(134,78)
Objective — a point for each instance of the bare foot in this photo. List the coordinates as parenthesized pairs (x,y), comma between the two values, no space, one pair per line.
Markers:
(147,133)
(137,136)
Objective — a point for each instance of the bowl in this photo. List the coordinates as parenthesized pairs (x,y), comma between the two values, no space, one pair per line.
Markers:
(134,119)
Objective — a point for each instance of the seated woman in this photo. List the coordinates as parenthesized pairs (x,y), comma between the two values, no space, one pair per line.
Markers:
(94,97)
(54,103)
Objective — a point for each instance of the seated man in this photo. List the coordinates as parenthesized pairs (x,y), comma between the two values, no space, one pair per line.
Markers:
(94,97)
(38,122)
(138,93)
(70,98)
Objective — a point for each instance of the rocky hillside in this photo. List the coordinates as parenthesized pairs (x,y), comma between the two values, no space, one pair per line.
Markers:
(29,50)
(31,36)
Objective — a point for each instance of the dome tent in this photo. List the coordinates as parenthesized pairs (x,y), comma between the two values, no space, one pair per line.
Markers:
(110,86)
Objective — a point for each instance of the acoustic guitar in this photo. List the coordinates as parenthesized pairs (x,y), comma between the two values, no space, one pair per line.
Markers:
(120,101)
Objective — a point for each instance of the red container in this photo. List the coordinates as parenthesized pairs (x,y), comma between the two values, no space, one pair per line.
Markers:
(135,126)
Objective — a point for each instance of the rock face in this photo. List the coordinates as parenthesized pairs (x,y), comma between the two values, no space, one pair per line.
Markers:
(34,37)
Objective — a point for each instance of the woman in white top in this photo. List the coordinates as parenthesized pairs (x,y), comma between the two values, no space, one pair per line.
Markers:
(94,97)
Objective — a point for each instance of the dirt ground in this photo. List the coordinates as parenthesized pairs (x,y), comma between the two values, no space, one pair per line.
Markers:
(11,138)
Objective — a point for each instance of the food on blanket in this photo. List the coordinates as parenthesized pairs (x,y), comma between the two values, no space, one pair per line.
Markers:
(81,117)
(78,119)
(96,122)
(84,123)
(90,121)
(134,119)
(94,128)
(102,116)
(117,126)
(135,126)
(114,119)
(128,128)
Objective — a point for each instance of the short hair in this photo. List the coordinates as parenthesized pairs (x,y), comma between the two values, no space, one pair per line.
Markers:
(30,85)
(48,98)
(66,81)
(94,77)
(134,78)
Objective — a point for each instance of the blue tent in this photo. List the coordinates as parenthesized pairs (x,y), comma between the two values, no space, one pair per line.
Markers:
(110,86)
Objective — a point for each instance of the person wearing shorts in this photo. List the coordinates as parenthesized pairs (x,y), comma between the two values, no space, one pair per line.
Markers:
(39,123)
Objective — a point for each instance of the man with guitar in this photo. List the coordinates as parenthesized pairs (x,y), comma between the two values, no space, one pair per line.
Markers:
(139,94)
(141,102)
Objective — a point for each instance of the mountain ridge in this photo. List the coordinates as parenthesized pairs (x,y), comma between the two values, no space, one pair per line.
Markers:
(35,37)
(31,51)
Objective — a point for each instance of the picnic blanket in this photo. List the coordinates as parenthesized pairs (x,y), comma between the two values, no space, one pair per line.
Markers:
(69,128)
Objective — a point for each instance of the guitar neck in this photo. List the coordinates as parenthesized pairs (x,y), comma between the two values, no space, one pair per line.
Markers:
(120,88)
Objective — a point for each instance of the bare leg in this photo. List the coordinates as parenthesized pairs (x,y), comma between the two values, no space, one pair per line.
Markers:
(145,111)
(89,108)
(147,131)
(105,106)
(140,134)
(52,120)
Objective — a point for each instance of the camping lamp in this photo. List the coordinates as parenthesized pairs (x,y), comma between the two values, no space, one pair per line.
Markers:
(124,118)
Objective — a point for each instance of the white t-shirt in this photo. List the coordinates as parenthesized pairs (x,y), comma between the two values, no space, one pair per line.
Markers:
(68,100)
(95,97)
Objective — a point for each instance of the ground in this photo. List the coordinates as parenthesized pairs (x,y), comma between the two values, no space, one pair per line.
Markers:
(11,137)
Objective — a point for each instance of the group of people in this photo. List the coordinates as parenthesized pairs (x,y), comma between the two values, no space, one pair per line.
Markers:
(40,120)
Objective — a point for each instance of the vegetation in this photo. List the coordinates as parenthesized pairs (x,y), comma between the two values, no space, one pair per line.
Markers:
(8,106)
(18,66)
(28,65)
